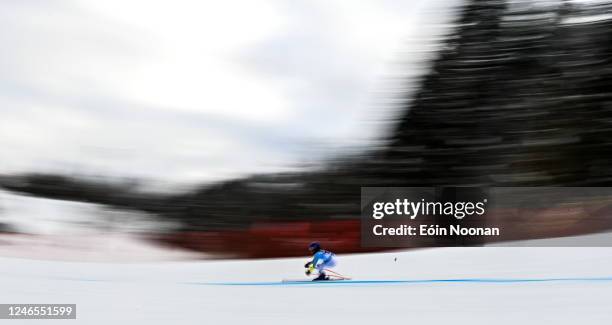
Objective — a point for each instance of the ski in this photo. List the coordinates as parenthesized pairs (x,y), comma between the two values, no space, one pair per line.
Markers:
(310,281)
(337,275)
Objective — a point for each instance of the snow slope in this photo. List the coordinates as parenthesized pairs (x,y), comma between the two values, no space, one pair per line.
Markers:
(128,290)
(185,293)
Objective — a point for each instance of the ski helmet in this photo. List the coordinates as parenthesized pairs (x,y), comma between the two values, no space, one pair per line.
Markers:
(314,247)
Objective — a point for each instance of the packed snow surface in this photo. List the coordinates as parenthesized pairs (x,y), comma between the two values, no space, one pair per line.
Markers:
(196,292)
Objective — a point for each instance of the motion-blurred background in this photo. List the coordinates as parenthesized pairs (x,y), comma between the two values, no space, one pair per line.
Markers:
(225,128)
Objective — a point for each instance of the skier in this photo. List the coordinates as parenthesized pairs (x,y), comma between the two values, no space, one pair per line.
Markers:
(321,259)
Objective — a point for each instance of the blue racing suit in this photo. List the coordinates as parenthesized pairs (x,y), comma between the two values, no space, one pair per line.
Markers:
(322,260)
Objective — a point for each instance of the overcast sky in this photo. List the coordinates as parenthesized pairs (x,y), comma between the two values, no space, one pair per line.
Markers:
(188,91)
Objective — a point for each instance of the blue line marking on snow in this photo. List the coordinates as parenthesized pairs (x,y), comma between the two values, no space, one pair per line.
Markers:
(394,282)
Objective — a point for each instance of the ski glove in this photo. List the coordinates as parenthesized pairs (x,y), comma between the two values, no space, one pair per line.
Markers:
(309,269)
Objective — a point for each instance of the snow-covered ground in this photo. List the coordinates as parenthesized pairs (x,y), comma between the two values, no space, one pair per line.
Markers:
(48,229)
(84,254)
(181,292)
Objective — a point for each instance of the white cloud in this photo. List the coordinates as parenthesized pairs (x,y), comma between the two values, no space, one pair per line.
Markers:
(194,90)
